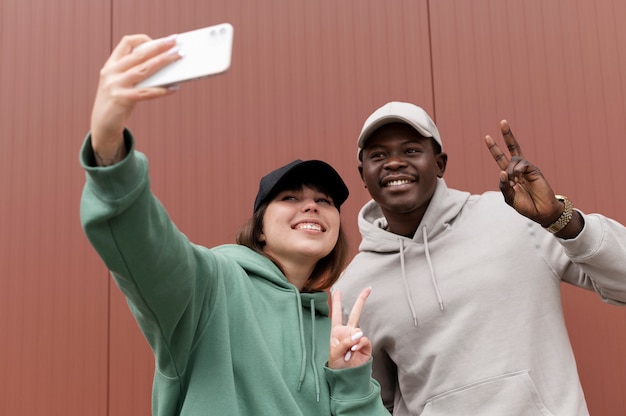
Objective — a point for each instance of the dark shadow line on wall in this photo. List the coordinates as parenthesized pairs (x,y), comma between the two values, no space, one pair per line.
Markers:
(432,68)
(108,363)
(108,276)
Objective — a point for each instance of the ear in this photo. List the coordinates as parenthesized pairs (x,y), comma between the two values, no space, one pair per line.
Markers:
(442,160)
(361,171)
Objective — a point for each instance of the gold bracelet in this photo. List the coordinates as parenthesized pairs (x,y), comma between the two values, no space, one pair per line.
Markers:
(565,218)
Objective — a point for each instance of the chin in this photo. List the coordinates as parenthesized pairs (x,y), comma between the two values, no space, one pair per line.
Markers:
(398,205)
(318,254)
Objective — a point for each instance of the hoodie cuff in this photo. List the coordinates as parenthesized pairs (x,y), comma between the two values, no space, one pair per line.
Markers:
(118,180)
(350,383)
(588,241)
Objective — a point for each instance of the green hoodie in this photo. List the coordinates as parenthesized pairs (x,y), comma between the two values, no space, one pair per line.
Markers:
(230,335)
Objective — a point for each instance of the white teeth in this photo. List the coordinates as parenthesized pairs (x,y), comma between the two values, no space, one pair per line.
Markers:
(398,182)
(309,226)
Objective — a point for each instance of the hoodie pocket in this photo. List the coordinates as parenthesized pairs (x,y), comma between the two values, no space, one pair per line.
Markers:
(512,394)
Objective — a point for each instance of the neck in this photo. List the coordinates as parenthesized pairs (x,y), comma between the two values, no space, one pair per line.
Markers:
(297,272)
(403,224)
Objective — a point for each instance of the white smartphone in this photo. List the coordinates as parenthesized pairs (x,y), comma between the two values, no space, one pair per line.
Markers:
(205,51)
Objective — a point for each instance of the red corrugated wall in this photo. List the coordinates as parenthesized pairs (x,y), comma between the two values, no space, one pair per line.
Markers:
(304,76)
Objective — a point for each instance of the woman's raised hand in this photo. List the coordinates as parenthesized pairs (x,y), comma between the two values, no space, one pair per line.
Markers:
(348,346)
(117,96)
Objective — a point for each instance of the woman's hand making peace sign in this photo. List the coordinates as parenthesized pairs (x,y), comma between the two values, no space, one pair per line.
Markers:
(348,346)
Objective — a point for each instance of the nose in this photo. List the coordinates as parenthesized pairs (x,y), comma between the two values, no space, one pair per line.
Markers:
(395,162)
(310,205)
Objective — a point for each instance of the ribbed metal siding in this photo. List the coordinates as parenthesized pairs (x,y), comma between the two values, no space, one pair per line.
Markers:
(53,294)
(305,74)
(556,70)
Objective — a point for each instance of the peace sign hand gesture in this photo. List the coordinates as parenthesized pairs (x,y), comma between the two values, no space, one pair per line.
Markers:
(348,346)
(522,184)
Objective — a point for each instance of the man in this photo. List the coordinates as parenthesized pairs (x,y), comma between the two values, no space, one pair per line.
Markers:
(465,313)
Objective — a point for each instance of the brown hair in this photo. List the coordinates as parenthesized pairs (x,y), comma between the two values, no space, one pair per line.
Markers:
(326,271)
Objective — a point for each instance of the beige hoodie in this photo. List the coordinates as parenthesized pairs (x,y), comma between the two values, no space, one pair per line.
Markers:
(465,317)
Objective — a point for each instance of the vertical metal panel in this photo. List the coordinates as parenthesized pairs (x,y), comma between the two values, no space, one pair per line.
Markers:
(555,70)
(53,319)
(304,76)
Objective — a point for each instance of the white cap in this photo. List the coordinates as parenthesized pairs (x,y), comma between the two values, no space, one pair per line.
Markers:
(394,112)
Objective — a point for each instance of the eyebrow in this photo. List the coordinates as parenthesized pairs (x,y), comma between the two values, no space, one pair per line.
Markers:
(417,140)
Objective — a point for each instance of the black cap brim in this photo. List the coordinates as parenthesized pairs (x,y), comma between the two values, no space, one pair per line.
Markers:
(315,172)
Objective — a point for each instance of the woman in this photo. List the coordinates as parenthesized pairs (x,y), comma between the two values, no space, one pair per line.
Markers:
(238,329)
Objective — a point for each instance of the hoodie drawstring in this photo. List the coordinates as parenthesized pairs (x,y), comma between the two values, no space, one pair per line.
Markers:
(315,374)
(433,277)
(409,298)
(302,346)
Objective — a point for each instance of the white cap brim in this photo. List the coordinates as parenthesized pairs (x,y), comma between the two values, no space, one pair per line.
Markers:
(399,112)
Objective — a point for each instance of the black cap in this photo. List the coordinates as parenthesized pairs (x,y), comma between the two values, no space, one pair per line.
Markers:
(314,172)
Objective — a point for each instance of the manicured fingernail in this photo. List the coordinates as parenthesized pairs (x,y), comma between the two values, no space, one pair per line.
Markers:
(176,50)
(170,38)
(357,336)
(354,348)
(347,356)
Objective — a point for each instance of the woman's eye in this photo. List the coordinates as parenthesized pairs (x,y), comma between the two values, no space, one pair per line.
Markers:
(324,201)
(288,198)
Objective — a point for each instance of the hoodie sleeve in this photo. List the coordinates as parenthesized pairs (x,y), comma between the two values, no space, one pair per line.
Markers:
(354,392)
(597,255)
(155,266)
